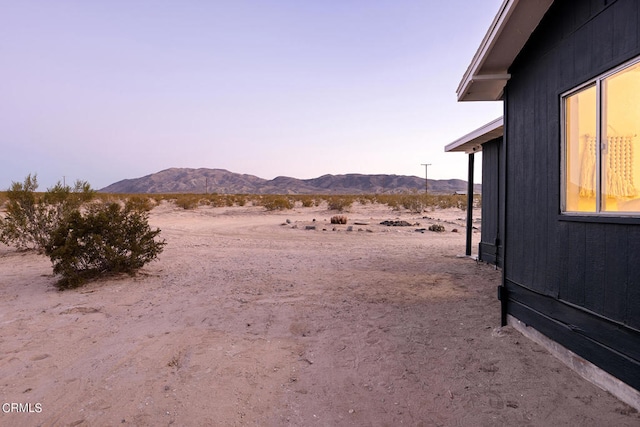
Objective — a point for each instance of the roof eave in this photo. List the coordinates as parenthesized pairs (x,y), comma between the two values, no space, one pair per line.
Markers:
(472,142)
(487,74)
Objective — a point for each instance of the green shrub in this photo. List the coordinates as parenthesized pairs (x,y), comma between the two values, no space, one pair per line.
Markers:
(31,217)
(106,239)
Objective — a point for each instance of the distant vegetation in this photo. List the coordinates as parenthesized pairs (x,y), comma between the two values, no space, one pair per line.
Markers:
(413,202)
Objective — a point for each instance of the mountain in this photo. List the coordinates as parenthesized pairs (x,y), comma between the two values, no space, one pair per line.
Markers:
(185,180)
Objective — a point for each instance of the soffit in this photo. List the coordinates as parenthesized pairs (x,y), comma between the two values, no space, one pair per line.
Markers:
(487,74)
(472,142)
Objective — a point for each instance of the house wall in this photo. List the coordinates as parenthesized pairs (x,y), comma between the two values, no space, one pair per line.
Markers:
(490,247)
(575,279)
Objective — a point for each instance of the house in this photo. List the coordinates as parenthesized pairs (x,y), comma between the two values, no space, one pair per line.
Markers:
(564,178)
(488,140)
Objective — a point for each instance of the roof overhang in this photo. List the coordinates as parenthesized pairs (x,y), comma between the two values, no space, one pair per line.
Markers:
(472,142)
(488,72)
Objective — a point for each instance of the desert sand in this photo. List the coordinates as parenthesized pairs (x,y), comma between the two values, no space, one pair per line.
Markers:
(249,319)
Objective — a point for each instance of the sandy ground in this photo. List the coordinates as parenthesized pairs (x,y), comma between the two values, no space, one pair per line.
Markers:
(248,320)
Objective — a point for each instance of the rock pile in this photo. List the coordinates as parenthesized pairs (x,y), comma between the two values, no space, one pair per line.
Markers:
(398,223)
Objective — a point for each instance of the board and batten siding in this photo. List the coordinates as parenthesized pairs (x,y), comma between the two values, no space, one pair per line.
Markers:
(490,249)
(577,280)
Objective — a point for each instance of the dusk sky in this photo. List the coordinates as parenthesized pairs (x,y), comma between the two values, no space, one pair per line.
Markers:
(109,90)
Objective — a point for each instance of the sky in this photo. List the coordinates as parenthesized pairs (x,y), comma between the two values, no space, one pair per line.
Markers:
(108,90)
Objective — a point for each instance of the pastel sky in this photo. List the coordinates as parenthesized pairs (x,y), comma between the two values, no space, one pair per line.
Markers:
(108,90)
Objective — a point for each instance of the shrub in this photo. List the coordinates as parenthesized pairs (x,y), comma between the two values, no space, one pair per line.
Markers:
(436,227)
(31,217)
(339,203)
(391,200)
(141,203)
(188,201)
(272,203)
(106,239)
(307,201)
(240,199)
(413,202)
(338,219)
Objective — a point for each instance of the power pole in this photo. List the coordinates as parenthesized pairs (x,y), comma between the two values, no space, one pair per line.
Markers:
(426,177)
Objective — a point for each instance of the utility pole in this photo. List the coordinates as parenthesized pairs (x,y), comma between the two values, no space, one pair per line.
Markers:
(426,177)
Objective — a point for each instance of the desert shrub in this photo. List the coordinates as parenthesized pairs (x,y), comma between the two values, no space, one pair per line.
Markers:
(365,199)
(31,217)
(272,203)
(213,199)
(159,198)
(338,219)
(141,203)
(339,203)
(391,200)
(477,201)
(105,239)
(436,227)
(187,201)
(307,201)
(413,202)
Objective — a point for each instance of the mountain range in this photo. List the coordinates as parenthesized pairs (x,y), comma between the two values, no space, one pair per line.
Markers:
(187,180)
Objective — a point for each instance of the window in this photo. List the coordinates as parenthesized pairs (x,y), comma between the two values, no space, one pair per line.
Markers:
(601,144)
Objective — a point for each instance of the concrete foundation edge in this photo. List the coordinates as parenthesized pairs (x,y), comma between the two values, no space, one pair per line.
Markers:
(582,367)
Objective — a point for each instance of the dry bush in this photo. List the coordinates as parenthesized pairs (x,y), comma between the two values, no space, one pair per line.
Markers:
(307,201)
(365,199)
(390,200)
(187,201)
(413,202)
(140,202)
(277,202)
(339,203)
(3,198)
(436,227)
(338,219)
(215,200)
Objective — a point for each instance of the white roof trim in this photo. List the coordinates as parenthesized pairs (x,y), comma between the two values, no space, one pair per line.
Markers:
(486,76)
(472,142)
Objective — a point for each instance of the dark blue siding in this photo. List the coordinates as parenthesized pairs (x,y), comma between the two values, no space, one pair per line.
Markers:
(559,269)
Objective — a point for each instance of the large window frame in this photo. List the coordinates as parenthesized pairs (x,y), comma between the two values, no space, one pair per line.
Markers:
(598,183)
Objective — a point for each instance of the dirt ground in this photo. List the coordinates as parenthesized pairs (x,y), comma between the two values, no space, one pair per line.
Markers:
(249,319)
